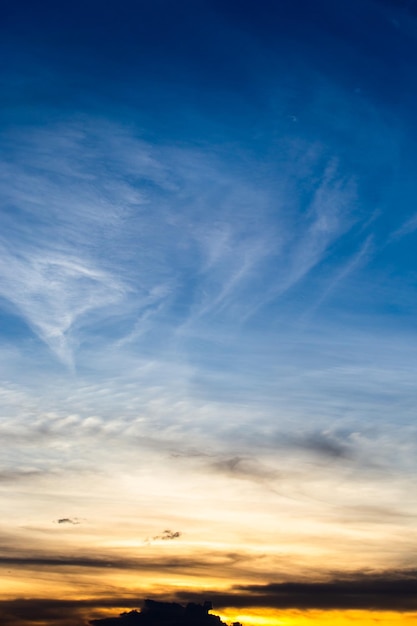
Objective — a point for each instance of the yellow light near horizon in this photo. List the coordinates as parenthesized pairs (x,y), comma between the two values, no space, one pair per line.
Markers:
(258,617)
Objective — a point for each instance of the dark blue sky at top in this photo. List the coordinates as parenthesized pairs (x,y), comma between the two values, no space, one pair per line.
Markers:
(224,57)
(213,70)
(241,79)
(218,71)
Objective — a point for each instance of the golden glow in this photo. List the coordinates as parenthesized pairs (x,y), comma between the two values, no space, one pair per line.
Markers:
(232,533)
(319,618)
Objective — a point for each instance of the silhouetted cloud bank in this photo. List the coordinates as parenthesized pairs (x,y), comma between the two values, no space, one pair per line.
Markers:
(395,590)
(156,613)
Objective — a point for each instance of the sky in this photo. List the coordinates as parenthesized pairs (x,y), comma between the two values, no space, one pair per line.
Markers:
(208,336)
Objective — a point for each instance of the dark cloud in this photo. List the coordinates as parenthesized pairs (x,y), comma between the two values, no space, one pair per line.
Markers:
(28,612)
(68,520)
(12,475)
(388,591)
(155,613)
(327,445)
(324,444)
(65,561)
(247,468)
(168,535)
(57,612)
(31,612)
(205,562)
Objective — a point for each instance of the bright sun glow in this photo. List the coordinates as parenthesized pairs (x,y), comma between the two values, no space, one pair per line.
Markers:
(320,618)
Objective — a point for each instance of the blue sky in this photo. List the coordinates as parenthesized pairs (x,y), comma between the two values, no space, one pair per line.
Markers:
(207,266)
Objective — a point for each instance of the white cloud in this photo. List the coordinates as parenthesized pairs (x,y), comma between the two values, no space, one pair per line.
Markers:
(52,292)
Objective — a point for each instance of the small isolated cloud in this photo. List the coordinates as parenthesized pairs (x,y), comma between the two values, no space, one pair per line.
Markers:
(68,520)
(167,535)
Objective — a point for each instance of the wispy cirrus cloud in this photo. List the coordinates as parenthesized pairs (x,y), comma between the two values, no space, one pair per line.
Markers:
(52,292)
(116,227)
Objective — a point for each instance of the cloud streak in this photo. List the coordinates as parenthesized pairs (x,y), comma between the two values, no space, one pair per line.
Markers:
(387,591)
